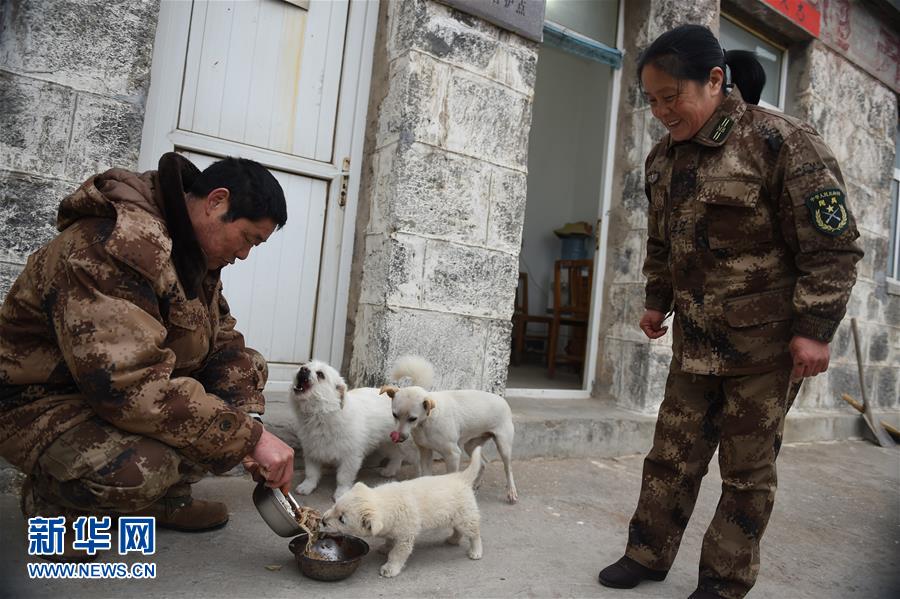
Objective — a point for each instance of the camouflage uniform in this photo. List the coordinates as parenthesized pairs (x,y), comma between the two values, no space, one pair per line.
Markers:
(121,372)
(750,242)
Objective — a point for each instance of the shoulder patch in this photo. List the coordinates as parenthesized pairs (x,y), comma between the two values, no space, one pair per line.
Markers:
(722,128)
(828,212)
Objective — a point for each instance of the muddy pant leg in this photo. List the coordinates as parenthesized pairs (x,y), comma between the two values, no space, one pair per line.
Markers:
(686,436)
(752,426)
(96,467)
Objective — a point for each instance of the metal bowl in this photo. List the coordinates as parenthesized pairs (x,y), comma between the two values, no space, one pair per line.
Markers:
(344,552)
(275,509)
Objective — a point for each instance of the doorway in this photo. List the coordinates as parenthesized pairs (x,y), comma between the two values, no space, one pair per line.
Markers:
(568,176)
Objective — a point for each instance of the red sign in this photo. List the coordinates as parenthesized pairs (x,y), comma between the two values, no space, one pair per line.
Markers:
(800,12)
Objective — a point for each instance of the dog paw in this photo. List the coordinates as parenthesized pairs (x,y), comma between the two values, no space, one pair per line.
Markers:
(390,570)
(512,496)
(474,554)
(388,472)
(305,488)
(338,492)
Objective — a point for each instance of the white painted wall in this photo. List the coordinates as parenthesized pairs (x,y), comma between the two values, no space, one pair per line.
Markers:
(565,160)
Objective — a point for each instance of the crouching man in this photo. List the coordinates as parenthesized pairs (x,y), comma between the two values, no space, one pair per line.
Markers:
(122,377)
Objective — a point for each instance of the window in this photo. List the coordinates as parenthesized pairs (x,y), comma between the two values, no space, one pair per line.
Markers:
(774,58)
(893,271)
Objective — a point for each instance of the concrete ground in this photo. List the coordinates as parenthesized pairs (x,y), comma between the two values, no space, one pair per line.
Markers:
(835,532)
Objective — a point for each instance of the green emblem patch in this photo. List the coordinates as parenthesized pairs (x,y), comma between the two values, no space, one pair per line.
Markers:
(828,212)
(722,128)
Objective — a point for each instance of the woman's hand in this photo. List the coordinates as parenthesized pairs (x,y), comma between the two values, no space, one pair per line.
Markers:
(651,324)
(809,356)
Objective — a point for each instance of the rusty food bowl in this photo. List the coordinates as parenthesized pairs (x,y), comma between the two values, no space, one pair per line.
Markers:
(340,556)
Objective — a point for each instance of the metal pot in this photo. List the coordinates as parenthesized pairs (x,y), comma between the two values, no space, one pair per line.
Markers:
(276,510)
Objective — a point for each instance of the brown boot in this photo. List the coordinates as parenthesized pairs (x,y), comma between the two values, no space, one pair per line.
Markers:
(33,505)
(177,510)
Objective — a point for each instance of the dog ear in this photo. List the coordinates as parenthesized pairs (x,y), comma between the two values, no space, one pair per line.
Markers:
(391,390)
(371,522)
(342,392)
(428,404)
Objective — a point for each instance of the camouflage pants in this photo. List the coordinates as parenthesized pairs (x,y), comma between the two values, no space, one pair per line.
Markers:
(744,417)
(95,467)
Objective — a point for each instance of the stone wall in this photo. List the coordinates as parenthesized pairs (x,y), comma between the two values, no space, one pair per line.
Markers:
(73,83)
(857,115)
(443,196)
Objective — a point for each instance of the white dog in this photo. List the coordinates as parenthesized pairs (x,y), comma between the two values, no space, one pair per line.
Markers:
(440,420)
(341,427)
(399,511)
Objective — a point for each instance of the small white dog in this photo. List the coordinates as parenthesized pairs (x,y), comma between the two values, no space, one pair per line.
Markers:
(440,420)
(340,426)
(399,511)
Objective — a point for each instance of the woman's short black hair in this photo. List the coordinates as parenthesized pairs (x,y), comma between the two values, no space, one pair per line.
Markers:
(254,192)
(689,52)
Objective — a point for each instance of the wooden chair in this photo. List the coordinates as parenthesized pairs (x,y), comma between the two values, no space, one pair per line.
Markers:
(520,320)
(571,308)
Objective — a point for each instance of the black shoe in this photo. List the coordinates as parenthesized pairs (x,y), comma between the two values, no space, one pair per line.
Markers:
(701,594)
(627,573)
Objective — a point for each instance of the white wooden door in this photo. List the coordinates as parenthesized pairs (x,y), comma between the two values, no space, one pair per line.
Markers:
(285,83)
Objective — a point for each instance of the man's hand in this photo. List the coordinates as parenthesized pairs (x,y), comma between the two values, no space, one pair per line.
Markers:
(809,356)
(651,324)
(274,460)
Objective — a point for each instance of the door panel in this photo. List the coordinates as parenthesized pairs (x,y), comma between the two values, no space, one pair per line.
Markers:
(265,73)
(272,293)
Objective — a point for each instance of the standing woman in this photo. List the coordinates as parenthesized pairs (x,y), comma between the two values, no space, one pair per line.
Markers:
(750,242)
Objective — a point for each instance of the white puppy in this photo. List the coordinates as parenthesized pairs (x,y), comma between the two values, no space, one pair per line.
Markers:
(440,420)
(341,427)
(399,511)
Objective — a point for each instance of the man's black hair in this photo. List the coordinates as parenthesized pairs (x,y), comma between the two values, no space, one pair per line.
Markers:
(254,192)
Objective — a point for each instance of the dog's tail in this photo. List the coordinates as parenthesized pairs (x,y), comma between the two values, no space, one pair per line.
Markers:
(470,474)
(418,371)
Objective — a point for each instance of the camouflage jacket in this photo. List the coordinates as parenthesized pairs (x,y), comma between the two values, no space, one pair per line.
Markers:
(750,239)
(118,318)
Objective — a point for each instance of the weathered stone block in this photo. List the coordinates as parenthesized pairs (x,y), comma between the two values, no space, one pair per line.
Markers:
(412,110)
(634,203)
(35,122)
(102,46)
(106,133)
(28,207)
(872,211)
(455,344)
(439,194)
(486,121)
(626,257)
(507,210)
(469,280)
(393,270)
(464,41)
(633,367)
(8,274)
(623,310)
(887,387)
(496,357)
(666,14)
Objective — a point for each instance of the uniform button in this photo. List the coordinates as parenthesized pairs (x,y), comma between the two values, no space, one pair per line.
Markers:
(225,425)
